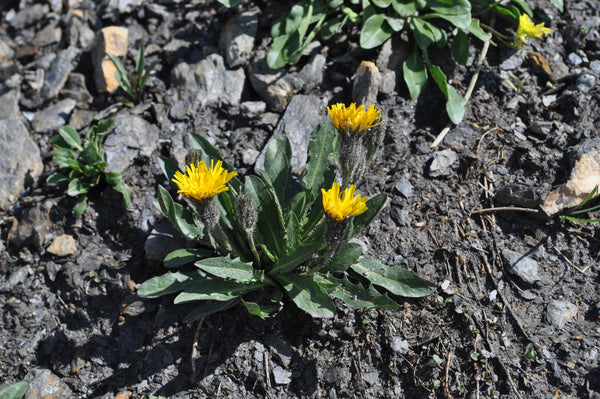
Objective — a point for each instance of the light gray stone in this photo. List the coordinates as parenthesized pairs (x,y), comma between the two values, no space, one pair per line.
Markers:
(9,105)
(399,345)
(301,117)
(53,117)
(28,15)
(404,187)
(15,139)
(276,88)
(366,84)
(521,266)
(585,82)
(45,384)
(49,34)
(57,75)
(130,138)
(218,86)
(237,38)
(560,313)
(163,239)
(442,162)
(281,376)
(312,73)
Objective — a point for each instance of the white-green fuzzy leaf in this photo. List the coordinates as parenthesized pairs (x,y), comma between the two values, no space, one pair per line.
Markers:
(225,267)
(323,142)
(168,283)
(216,289)
(183,256)
(15,391)
(395,279)
(356,296)
(307,295)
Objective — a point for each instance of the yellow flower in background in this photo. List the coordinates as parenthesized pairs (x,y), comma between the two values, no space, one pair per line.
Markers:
(528,30)
(349,204)
(201,183)
(352,120)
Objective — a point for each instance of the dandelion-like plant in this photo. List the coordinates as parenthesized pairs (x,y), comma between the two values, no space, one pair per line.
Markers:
(201,183)
(352,120)
(339,208)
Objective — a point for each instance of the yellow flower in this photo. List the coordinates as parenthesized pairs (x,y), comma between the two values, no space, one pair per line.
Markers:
(352,120)
(201,183)
(349,204)
(527,29)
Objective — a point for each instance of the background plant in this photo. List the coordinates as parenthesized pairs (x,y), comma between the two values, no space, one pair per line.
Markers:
(15,391)
(276,242)
(571,214)
(429,23)
(133,84)
(85,164)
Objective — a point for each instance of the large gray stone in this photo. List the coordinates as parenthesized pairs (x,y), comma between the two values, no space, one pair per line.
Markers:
(131,138)
(522,266)
(57,75)
(276,88)
(560,313)
(53,117)
(9,105)
(14,170)
(237,39)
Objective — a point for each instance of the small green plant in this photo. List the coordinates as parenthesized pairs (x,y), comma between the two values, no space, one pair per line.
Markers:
(133,84)
(579,209)
(278,235)
(85,164)
(429,23)
(15,391)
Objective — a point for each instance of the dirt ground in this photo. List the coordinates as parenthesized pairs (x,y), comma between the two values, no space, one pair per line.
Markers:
(75,324)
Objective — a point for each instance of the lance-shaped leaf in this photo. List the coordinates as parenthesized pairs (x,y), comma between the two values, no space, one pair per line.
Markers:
(395,279)
(374,206)
(183,256)
(345,257)
(356,296)
(298,256)
(278,167)
(168,283)
(216,289)
(180,217)
(307,295)
(15,391)
(262,311)
(168,167)
(225,267)
(323,142)
(208,308)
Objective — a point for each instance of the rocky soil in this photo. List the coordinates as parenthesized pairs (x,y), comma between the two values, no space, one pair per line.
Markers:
(517,312)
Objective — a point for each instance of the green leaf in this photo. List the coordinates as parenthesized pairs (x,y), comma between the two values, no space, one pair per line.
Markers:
(278,167)
(179,217)
(66,158)
(230,3)
(79,206)
(227,268)
(415,74)
(374,206)
(211,152)
(168,283)
(356,296)
(475,30)
(77,187)
(56,178)
(270,223)
(382,3)
(121,74)
(395,23)
(345,257)
(15,391)
(307,295)
(333,26)
(208,308)
(324,141)
(255,309)
(405,8)
(115,179)
(216,289)
(455,104)
(458,12)
(375,31)
(184,256)
(558,4)
(460,47)
(425,33)
(70,136)
(168,167)
(524,6)
(295,258)
(395,279)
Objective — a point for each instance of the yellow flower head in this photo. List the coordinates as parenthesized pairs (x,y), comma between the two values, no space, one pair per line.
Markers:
(201,183)
(349,204)
(527,29)
(352,120)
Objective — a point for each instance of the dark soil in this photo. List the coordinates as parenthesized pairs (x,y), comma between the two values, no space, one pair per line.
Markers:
(79,317)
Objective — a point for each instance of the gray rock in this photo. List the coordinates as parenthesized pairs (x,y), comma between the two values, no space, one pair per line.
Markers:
(31,228)
(366,84)
(237,37)
(58,73)
(281,376)
(595,67)
(302,116)
(400,216)
(399,345)
(519,195)
(404,187)
(312,73)
(44,384)
(218,86)
(49,34)
(521,266)
(574,59)
(28,15)
(9,105)
(131,138)
(123,6)
(281,350)
(442,161)
(276,88)
(15,139)
(560,313)
(17,277)
(371,378)
(163,239)
(76,89)
(6,52)
(53,117)
(513,62)
(249,156)
(585,82)
(252,109)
